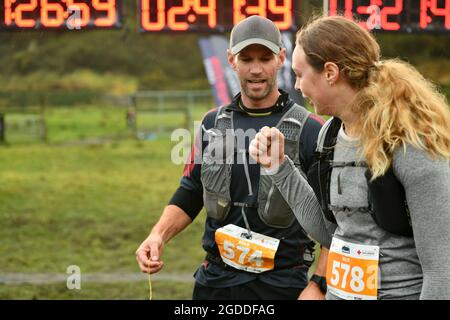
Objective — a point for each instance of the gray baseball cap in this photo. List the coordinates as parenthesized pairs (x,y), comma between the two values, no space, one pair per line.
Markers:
(255,30)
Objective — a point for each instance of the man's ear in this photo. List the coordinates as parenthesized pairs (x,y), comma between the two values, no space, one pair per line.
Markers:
(281,58)
(331,72)
(231,59)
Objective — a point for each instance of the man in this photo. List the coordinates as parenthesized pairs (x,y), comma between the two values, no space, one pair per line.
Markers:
(255,248)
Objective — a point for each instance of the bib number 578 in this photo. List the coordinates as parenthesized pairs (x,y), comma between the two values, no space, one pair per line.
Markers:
(346,276)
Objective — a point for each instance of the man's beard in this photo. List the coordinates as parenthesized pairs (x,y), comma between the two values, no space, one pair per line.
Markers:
(259,95)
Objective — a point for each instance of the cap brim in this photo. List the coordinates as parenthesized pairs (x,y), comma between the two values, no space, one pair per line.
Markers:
(241,45)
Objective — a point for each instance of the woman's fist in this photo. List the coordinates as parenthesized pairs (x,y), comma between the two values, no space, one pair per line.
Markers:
(267,148)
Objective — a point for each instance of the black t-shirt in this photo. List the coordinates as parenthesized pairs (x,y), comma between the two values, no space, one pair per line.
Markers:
(290,271)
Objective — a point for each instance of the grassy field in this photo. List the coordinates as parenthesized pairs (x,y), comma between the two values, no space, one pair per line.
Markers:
(89,205)
(162,290)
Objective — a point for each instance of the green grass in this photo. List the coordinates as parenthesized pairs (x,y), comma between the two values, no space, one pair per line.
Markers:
(89,205)
(68,124)
(162,290)
(84,205)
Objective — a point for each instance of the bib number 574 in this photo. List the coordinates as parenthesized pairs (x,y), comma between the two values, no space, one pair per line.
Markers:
(231,252)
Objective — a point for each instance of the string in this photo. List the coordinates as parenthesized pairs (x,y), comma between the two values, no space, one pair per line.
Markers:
(149,287)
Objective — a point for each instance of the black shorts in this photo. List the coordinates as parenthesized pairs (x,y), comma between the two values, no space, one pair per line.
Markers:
(253,290)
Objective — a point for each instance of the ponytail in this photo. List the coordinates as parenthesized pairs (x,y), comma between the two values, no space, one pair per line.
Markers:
(400,107)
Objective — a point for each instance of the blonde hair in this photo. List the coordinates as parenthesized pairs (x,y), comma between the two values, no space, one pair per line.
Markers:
(395,103)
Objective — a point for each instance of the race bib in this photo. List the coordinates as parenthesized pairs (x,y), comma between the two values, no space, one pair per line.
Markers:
(352,270)
(254,255)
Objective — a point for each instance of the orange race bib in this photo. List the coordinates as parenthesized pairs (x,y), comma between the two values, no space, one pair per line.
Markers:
(352,270)
(254,255)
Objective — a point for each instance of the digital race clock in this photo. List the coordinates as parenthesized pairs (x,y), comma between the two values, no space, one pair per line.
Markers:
(212,15)
(219,15)
(63,14)
(396,15)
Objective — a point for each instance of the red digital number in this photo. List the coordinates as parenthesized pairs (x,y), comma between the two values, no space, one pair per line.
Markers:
(284,9)
(348,8)
(109,6)
(387,11)
(195,5)
(175,11)
(174,14)
(262,8)
(379,17)
(209,9)
(81,12)
(237,10)
(8,12)
(59,14)
(425,19)
(17,15)
(259,9)
(160,15)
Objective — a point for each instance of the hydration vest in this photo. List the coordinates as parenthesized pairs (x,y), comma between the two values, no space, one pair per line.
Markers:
(386,195)
(218,158)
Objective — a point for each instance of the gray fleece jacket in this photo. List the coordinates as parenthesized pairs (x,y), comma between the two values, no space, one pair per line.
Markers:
(410,267)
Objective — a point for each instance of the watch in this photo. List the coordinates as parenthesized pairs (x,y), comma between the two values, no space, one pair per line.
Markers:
(320,281)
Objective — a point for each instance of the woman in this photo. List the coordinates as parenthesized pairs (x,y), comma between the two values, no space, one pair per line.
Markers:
(395,125)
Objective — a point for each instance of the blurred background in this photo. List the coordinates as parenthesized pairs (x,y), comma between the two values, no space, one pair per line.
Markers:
(85,147)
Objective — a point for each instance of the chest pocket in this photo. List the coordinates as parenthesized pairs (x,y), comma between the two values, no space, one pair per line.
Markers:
(216,174)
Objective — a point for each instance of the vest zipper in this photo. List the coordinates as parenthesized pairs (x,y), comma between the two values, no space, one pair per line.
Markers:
(269,196)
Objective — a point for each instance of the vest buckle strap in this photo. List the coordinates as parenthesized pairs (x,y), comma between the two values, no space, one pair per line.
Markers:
(245,205)
(349,209)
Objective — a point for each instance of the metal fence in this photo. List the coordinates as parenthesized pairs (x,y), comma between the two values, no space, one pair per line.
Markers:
(163,102)
(147,114)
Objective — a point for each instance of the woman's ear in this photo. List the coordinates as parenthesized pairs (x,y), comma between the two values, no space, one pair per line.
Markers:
(331,72)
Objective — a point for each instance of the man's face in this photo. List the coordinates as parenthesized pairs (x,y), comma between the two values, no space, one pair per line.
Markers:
(256,67)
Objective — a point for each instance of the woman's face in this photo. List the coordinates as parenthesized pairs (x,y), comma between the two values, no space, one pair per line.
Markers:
(313,84)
